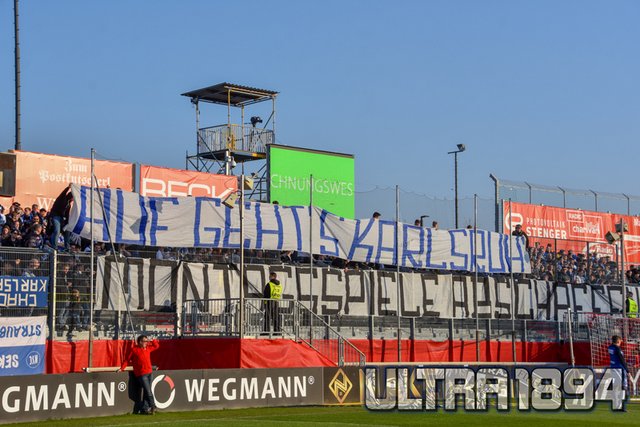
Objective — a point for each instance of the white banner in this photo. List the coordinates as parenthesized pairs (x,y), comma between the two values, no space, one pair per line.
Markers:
(148,284)
(206,223)
(164,285)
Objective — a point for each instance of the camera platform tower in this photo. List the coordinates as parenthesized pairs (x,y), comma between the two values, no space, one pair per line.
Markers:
(221,147)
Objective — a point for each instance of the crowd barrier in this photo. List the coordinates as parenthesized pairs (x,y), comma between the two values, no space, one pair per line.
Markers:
(360,305)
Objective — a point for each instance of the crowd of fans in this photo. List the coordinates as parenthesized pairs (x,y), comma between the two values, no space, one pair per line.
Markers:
(565,266)
(34,227)
(24,227)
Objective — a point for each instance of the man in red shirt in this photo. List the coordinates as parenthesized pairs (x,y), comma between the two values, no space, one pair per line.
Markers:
(140,358)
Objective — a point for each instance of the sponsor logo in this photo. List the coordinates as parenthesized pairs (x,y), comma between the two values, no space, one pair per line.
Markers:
(46,397)
(602,249)
(340,386)
(513,219)
(233,388)
(152,187)
(575,216)
(163,404)
(33,359)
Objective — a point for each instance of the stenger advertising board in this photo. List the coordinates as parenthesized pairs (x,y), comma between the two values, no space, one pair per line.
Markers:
(572,229)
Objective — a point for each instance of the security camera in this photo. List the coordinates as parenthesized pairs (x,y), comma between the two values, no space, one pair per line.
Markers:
(461,147)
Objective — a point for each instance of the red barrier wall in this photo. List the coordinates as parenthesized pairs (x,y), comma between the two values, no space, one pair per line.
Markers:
(189,353)
(465,351)
(221,353)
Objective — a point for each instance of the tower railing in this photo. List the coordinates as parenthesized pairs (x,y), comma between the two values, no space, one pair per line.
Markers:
(234,137)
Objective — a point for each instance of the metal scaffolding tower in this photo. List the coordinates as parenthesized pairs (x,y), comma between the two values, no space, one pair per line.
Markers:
(221,147)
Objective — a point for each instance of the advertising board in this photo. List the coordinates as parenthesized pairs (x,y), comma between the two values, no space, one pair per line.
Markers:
(40,178)
(22,345)
(573,229)
(166,182)
(41,397)
(333,179)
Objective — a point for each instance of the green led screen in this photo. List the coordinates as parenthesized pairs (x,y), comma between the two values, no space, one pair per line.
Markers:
(333,179)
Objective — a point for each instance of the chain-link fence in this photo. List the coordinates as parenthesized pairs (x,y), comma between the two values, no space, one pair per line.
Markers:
(72,318)
(23,263)
(584,199)
(413,206)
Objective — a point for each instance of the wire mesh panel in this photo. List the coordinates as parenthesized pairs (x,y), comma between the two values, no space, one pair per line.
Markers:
(579,327)
(465,329)
(386,327)
(501,330)
(351,327)
(601,329)
(538,330)
(72,298)
(432,329)
(155,323)
(211,317)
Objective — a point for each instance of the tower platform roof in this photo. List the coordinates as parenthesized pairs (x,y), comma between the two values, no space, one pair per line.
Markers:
(231,94)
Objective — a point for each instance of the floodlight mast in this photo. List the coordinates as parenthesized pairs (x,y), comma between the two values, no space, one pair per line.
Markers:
(461,148)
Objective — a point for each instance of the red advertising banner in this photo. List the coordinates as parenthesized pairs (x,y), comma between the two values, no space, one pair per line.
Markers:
(40,178)
(165,182)
(572,229)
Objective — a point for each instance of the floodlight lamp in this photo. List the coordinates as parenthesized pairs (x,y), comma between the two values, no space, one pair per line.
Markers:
(620,230)
(612,237)
(230,201)
(461,147)
(255,120)
(247,184)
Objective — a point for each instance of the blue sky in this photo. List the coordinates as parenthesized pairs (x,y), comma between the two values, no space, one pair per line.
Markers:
(541,91)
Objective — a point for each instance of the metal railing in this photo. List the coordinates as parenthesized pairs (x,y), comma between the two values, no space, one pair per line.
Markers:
(69,275)
(210,317)
(234,137)
(314,331)
(272,319)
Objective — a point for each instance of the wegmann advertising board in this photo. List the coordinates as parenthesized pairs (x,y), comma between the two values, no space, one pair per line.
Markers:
(41,397)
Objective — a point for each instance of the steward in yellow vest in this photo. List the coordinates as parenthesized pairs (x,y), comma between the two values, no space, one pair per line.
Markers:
(273,293)
(631,306)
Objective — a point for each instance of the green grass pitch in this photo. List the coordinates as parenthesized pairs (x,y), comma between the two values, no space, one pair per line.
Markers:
(359,416)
